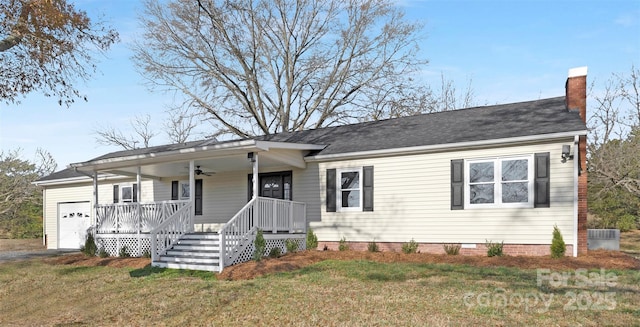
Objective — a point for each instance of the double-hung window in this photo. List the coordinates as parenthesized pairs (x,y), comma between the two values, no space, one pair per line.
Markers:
(349,189)
(127,193)
(184,190)
(500,182)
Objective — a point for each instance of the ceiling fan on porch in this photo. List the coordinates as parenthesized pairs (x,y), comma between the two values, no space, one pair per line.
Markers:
(199,171)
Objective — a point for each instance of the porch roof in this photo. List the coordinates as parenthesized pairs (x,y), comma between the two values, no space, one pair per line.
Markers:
(169,160)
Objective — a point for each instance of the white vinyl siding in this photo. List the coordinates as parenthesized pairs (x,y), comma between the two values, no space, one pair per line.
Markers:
(412,200)
(61,194)
(81,192)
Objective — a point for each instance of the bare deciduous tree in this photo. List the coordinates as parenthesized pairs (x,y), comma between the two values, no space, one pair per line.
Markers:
(46,45)
(266,66)
(180,125)
(141,136)
(614,141)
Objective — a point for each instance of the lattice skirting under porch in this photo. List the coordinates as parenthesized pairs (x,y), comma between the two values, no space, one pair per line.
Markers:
(136,245)
(272,241)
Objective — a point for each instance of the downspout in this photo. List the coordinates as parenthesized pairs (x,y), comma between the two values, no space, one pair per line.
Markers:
(95,199)
(139,197)
(44,217)
(576,169)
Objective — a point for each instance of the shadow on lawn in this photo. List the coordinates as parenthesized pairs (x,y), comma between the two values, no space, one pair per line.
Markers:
(150,271)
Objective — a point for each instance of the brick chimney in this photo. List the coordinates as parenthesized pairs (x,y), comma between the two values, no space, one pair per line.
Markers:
(576,99)
(576,91)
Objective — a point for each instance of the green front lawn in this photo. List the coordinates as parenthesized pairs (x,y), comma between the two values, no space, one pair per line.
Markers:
(348,293)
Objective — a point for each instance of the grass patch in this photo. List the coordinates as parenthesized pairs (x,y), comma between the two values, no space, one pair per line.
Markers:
(332,292)
(630,243)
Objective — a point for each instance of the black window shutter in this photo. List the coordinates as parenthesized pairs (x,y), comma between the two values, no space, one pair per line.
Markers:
(457,184)
(367,188)
(541,180)
(250,188)
(116,194)
(198,197)
(174,190)
(331,190)
(135,192)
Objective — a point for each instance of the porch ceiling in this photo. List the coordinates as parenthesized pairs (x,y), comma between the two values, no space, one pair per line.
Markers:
(181,168)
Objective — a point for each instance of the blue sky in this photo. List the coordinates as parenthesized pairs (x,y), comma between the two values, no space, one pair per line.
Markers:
(510,50)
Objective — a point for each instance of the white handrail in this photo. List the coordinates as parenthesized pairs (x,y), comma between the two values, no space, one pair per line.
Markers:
(165,235)
(270,215)
(133,217)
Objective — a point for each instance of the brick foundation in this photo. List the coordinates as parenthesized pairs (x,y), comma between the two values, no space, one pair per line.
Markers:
(437,248)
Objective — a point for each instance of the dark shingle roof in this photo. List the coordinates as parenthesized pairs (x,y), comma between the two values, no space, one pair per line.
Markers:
(474,124)
(529,118)
(62,174)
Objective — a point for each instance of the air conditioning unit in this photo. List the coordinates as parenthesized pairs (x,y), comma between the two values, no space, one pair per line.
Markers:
(605,239)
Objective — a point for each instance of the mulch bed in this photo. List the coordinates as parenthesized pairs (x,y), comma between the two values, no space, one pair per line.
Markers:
(294,261)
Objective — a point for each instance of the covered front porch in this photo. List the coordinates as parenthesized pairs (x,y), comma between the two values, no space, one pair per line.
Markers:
(228,206)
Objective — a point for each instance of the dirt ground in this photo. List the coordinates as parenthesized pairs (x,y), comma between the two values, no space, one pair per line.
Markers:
(21,244)
(290,262)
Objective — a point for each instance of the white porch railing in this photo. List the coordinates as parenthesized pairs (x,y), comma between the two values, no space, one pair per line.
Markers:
(270,215)
(167,233)
(134,217)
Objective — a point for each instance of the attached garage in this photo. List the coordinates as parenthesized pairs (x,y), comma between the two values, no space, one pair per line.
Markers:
(74,218)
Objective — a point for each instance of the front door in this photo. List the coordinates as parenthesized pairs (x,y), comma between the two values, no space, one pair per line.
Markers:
(274,185)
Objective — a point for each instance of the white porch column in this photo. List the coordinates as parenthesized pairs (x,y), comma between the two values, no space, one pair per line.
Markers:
(192,192)
(255,175)
(95,199)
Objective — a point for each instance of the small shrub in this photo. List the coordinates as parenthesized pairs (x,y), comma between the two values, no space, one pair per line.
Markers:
(411,247)
(343,245)
(451,249)
(291,245)
(90,248)
(260,244)
(103,253)
(312,240)
(146,254)
(275,253)
(124,252)
(557,244)
(373,247)
(494,249)
(626,223)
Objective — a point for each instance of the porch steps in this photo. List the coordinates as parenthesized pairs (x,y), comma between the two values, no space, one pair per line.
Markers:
(194,251)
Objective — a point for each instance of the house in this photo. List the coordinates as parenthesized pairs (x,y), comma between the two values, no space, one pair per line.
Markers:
(505,173)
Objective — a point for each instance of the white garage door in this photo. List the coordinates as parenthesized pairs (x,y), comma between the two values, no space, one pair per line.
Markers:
(74,219)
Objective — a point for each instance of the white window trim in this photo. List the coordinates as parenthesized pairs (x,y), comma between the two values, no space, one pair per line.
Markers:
(122,199)
(497,190)
(180,184)
(339,207)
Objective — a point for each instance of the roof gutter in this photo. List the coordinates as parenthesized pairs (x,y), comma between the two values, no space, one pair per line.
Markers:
(245,144)
(442,147)
(75,180)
